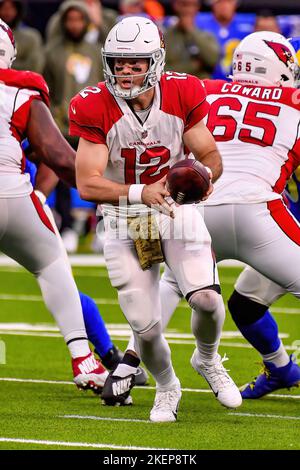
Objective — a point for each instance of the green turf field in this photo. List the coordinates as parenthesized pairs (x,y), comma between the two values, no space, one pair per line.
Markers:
(39,402)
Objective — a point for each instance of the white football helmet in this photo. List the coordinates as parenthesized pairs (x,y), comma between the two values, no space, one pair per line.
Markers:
(8,49)
(265,58)
(134,37)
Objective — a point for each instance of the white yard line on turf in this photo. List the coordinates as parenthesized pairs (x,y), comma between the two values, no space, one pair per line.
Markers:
(101,418)
(128,420)
(78,272)
(119,332)
(105,301)
(98,260)
(93,445)
(125,339)
(147,387)
(258,415)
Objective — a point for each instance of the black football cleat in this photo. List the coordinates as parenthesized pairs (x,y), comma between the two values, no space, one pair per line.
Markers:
(112,359)
(116,390)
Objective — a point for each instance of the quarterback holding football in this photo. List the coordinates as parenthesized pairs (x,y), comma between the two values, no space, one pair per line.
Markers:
(132,129)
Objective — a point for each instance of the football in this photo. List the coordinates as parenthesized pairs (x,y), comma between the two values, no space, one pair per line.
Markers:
(187,181)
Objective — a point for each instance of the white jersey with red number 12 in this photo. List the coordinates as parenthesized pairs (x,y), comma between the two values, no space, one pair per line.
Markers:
(257,133)
(140,153)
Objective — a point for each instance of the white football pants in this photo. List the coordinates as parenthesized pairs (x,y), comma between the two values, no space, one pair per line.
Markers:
(266,237)
(28,237)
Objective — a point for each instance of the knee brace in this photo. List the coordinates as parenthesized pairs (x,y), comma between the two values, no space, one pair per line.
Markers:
(204,300)
(243,310)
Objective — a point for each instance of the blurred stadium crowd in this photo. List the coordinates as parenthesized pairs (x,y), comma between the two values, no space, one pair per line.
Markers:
(62,41)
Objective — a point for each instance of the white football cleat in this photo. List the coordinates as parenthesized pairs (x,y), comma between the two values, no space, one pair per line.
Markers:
(218,379)
(166,404)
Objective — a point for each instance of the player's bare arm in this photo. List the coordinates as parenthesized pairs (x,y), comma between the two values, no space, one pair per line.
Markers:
(45,180)
(91,163)
(202,144)
(49,144)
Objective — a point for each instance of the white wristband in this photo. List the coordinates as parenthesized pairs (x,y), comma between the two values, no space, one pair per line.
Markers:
(135,193)
(209,171)
(41,196)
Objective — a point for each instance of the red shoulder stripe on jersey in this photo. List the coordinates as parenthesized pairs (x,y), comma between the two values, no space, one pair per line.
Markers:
(180,94)
(18,123)
(169,98)
(26,79)
(284,220)
(288,167)
(16,135)
(197,114)
(19,119)
(93,134)
(41,213)
(92,115)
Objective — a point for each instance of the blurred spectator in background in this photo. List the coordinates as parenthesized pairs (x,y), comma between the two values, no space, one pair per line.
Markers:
(131,7)
(151,8)
(28,40)
(228,27)
(101,21)
(188,48)
(266,21)
(72,63)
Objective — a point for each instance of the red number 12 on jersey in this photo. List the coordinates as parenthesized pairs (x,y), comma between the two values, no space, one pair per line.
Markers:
(149,175)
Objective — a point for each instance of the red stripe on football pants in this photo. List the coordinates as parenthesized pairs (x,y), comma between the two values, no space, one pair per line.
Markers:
(41,213)
(284,220)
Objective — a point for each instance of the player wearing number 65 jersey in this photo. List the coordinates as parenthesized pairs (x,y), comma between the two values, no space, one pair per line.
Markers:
(132,128)
(255,121)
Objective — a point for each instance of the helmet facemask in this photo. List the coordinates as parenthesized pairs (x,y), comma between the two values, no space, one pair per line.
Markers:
(156,62)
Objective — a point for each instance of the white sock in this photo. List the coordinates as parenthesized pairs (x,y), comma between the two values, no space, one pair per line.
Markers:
(166,380)
(156,355)
(132,346)
(61,297)
(123,370)
(79,348)
(207,352)
(279,358)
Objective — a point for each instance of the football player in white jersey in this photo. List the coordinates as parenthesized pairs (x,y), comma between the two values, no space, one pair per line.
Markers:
(256,123)
(132,128)
(26,233)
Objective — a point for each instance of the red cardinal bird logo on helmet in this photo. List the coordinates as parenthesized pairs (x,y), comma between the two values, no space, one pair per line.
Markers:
(9,33)
(283,53)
